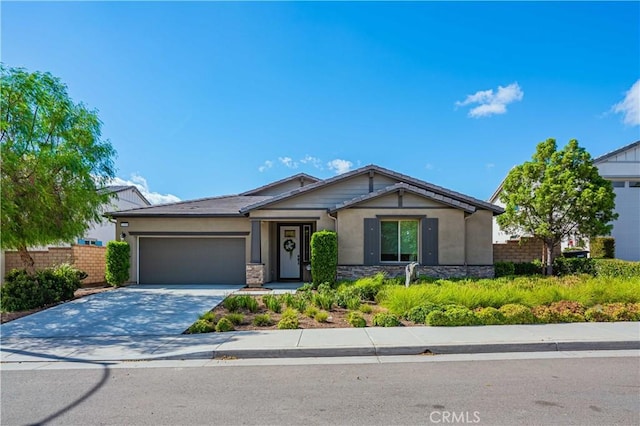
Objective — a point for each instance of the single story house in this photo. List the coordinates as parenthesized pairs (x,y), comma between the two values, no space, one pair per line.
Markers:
(383,220)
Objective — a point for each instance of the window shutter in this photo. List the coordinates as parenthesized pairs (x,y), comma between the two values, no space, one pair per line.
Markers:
(371,241)
(430,241)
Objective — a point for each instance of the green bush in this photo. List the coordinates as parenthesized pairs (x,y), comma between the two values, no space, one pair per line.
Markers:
(118,262)
(573,265)
(527,268)
(311,311)
(369,287)
(236,318)
(563,311)
(324,257)
(365,309)
(289,320)
(517,314)
(489,316)
(602,247)
(356,320)
(616,268)
(272,303)
(52,285)
(386,319)
(324,300)
(613,312)
(504,269)
(201,326)
(455,315)
(231,303)
(419,313)
(244,301)
(224,325)
(209,316)
(321,316)
(262,320)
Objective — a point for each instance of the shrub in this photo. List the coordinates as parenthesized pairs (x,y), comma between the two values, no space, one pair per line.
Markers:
(321,316)
(272,303)
(455,315)
(118,262)
(22,291)
(289,320)
(324,257)
(262,320)
(365,309)
(369,287)
(489,316)
(504,269)
(325,288)
(386,319)
(419,313)
(235,318)
(563,311)
(613,312)
(231,303)
(517,314)
(201,326)
(527,268)
(616,268)
(311,311)
(324,300)
(573,265)
(209,316)
(356,320)
(244,301)
(224,325)
(602,247)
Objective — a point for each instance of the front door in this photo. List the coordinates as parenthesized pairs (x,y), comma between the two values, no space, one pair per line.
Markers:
(290,252)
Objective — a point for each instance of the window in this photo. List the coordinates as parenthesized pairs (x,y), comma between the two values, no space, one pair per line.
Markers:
(399,240)
(634,184)
(618,184)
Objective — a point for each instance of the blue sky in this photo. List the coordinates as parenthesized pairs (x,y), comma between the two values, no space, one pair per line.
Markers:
(212,98)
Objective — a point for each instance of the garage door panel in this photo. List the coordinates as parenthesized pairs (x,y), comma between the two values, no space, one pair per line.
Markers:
(192,260)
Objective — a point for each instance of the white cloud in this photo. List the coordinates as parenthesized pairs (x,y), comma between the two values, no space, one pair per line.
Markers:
(142,185)
(491,103)
(266,166)
(629,107)
(340,166)
(288,161)
(314,161)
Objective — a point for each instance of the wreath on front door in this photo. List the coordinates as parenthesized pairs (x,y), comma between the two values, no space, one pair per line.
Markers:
(289,246)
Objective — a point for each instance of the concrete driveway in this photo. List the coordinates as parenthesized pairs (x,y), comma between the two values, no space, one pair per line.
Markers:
(138,310)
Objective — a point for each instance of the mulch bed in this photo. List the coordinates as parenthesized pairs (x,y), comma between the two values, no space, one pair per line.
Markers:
(82,292)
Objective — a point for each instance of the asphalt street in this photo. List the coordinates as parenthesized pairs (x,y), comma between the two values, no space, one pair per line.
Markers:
(556,390)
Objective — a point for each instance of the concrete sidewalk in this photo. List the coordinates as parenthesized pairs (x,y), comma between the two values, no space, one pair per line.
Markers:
(370,341)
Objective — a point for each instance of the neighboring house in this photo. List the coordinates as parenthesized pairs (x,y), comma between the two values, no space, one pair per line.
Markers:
(622,168)
(125,198)
(383,219)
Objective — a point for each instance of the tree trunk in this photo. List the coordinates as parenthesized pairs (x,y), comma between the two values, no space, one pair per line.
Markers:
(549,247)
(27,260)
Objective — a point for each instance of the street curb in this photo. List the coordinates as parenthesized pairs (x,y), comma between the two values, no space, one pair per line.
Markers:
(406,350)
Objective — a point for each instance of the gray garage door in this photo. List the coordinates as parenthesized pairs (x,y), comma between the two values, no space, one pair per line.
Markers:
(192,260)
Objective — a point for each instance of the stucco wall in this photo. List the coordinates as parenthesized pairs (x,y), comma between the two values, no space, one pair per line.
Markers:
(479,235)
(450,233)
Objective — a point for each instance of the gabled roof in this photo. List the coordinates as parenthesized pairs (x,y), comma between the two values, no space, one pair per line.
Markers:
(385,172)
(409,188)
(615,152)
(114,189)
(298,177)
(224,206)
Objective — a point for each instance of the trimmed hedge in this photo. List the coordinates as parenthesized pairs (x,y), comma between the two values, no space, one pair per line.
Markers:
(118,263)
(324,257)
(616,268)
(602,247)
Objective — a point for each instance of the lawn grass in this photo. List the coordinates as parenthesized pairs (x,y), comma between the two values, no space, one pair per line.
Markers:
(528,291)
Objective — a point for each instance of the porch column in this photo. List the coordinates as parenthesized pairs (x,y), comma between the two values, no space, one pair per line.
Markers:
(256,253)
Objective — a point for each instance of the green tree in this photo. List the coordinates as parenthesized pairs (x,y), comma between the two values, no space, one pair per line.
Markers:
(556,194)
(53,163)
